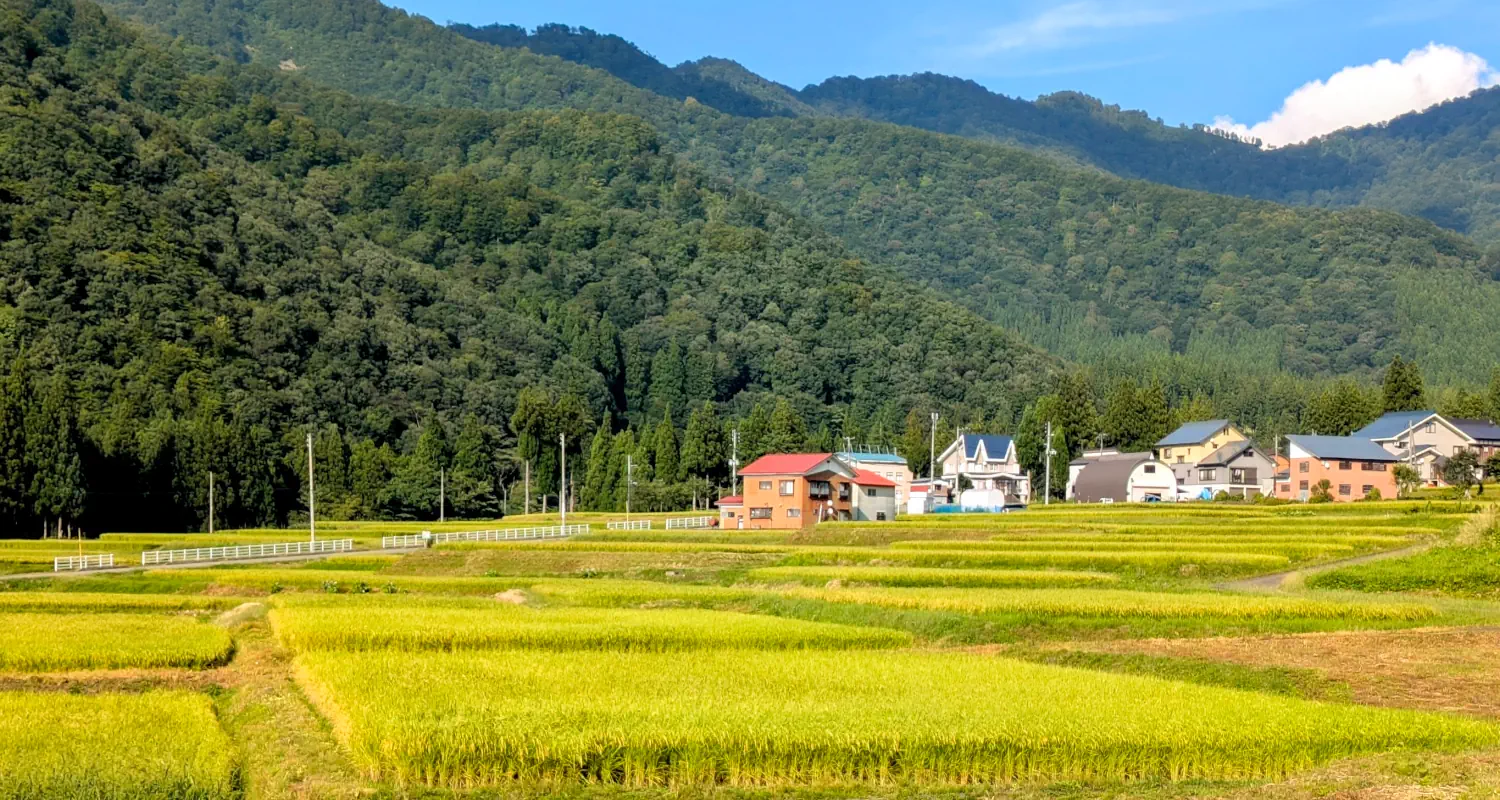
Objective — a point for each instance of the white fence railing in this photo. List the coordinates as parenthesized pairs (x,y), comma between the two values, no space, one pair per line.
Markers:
(191,554)
(633,525)
(73,563)
(497,535)
(689,522)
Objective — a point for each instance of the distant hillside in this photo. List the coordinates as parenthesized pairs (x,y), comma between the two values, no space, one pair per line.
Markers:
(1074,256)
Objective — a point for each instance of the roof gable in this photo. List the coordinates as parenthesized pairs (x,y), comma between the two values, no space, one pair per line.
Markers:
(996,446)
(1393,424)
(864,477)
(1479,430)
(1190,433)
(786,464)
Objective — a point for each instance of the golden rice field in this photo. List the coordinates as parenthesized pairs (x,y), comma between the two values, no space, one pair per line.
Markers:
(1294,549)
(930,576)
(1081,558)
(400,626)
(159,745)
(1120,603)
(595,592)
(49,642)
(758,719)
(354,581)
(103,601)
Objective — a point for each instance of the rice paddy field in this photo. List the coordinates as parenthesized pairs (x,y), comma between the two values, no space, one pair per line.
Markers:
(1017,655)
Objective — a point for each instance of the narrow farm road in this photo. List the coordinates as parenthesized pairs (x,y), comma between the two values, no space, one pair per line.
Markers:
(1261,583)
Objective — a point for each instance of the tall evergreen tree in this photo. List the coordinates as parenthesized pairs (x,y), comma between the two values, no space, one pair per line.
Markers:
(1060,459)
(623,446)
(15,474)
(533,424)
(52,450)
(915,444)
(415,484)
(471,486)
(1156,415)
(754,432)
(1077,412)
(664,461)
(703,454)
(668,379)
(786,431)
(596,494)
(1403,387)
(698,381)
(637,368)
(1124,422)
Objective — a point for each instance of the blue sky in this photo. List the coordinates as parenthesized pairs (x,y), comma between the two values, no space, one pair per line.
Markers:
(1181,61)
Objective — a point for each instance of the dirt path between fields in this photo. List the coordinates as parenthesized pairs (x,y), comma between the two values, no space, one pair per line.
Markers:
(1275,580)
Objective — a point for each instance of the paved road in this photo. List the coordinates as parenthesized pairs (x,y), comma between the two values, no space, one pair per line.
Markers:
(201,564)
(1263,583)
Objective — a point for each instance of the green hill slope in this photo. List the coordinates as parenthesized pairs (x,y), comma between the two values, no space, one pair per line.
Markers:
(203,259)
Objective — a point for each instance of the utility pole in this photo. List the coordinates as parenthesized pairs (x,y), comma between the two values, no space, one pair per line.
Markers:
(629,482)
(527,508)
(562,483)
(734,461)
(210,504)
(1047,499)
(442,494)
(849,445)
(932,461)
(312,508)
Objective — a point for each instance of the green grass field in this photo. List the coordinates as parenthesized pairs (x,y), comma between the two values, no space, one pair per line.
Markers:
(49,642)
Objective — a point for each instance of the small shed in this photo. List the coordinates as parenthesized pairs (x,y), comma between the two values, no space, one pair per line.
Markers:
(1125,478)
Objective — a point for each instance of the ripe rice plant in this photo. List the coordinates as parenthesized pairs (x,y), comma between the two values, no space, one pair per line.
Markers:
(54,642)
(378,625)
(1288,549)
(688,535)
(635,593)
(99,601)
(341,581)
(154,746)
(673,546)
(1120,603)
(769,719)
(924,576)
(1144,560)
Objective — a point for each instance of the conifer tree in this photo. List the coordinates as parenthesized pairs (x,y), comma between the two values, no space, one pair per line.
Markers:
(664,460)
(596,494)
(15,477)
(754,431)
(1403,387)
(534,424)
(1060,459)
(703,454)
(624,445)
(415,485)
(786,433)
(914,441)
(1124,420)
(1155,413)
(1076,411)
(668,379)
(637,377)
(52,451)
(472,483)
(369,476)
(698,385)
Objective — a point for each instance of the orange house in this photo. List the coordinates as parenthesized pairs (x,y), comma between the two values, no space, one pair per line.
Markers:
(793,490)
(1353,467)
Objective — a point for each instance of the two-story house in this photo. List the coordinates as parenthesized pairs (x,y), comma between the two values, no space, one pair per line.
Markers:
(987,465)
(1426,439)
(884,462)
(1352,465)
(793,490)
(1215,456)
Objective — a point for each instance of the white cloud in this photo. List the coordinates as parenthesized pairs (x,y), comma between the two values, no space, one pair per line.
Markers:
(1061,26)
(1370,93)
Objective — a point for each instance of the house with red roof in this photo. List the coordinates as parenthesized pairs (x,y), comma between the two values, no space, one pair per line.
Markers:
(874,497)
(794,490)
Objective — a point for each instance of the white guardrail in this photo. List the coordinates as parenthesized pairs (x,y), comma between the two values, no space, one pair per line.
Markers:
(190,554)
(633,525)
(427,538)
(74,563)
(689,522)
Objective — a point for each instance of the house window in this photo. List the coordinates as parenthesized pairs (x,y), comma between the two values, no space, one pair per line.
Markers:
(760,513)
(1304,467)
(1302,485)
(1237,476)
(869,493)
(1344,489)
(1179,460)
(1365,490)
(793,513)
(787,488)
(1376,466)
(1346,465)
(1458,448)
(1206,475)
(1150,469)
(1166,452)
(1431,427)
(880,516)
(729,514)
(765,486)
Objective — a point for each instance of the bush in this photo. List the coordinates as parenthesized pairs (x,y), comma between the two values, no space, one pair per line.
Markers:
(1321,493)
(1373,494)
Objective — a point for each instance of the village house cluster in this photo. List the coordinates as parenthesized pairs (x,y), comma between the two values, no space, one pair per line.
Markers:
(1203,460)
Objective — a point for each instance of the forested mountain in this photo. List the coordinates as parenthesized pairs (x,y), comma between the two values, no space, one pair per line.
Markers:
(1087,262)
(1440,164)
(203,261)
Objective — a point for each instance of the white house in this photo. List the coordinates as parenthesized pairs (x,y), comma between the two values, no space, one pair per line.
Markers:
(988,462)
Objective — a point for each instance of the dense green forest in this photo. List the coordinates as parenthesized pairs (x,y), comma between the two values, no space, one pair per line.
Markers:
(204,261)
(1103,264)
(459,251)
